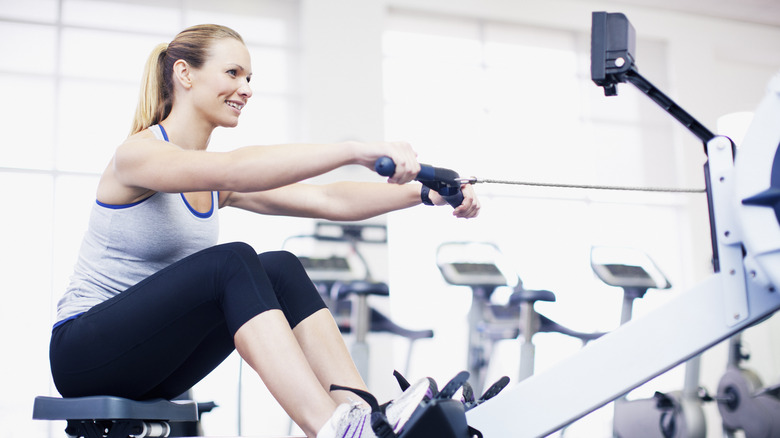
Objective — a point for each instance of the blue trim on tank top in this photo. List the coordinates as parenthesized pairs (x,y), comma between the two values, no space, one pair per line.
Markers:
(196,212)
(189,207)
(121,206)
(164,133)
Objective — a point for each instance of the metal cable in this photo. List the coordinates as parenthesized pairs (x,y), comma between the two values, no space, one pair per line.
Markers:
(584,186)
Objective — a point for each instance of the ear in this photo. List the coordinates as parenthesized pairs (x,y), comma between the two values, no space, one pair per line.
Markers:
(182,73)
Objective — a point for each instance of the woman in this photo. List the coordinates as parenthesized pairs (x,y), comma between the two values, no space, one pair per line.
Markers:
(155,304)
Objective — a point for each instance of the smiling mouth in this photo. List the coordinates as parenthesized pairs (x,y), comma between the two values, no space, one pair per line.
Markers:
(235,105)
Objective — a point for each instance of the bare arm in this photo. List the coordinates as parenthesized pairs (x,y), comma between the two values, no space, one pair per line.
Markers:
(143,162)
(264,179)
(343,201)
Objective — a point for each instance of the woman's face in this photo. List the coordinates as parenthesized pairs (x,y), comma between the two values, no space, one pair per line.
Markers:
(222,84)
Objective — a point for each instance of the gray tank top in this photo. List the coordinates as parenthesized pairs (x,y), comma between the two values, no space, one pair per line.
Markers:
(124,244)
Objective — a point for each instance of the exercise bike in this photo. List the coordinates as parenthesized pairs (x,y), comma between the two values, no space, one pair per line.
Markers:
(677,414)
(744,403)
(480,266)
(333,259)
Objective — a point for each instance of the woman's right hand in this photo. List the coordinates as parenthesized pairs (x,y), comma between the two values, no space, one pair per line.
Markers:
(402,154)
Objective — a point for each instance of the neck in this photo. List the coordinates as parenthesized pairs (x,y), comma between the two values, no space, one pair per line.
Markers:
(186,132)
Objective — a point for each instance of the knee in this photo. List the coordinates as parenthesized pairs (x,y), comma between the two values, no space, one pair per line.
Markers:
(241,249)
(282,263)
(282,257)
(236,255)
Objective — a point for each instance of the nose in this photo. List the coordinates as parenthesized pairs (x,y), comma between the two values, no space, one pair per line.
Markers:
(245,91)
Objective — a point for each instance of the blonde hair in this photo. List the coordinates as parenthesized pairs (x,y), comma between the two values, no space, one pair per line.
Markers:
(156,96)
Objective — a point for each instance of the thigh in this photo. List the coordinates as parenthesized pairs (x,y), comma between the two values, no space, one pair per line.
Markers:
(133,343)
(209,353)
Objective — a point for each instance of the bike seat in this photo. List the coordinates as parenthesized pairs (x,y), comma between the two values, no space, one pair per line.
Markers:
(360,287)
(381,323)
(530,296)
(547,325)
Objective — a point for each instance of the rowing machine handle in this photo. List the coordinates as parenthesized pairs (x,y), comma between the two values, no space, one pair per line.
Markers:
(439,179)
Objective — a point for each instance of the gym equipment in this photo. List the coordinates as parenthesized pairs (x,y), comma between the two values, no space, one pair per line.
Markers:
(479,265)
(446,182)
(115,417)
(744,403)
(334,262)
(743,195)
(438,415)
(676,414)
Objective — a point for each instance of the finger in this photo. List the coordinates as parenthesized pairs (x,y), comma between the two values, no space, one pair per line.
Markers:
(405,172)
(468,213)
(402,174)
(463,210)
(470,206)
(409,157)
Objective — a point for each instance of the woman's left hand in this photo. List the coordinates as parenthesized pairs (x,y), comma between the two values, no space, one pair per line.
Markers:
(470,206)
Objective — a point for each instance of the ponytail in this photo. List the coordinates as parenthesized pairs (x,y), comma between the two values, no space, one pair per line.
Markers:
(153,100)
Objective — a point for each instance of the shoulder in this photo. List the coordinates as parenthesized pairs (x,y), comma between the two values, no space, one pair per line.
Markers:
(142,144)
(145,136)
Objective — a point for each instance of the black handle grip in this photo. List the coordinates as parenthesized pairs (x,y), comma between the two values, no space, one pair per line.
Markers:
(444,181)
(385,166)
(454,196)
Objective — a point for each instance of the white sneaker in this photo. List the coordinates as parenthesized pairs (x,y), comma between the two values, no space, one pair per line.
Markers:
(354,421)
(348,421)
(400,409)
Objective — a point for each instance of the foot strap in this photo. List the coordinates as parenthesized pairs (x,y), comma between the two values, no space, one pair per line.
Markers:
(379,423)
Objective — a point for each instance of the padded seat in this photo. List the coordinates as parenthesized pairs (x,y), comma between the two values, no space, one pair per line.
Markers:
(114,417)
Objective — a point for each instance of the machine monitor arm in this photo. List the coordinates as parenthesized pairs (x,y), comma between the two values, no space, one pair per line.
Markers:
(612,60)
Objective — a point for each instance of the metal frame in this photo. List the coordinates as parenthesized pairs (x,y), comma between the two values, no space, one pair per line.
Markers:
(741,293)
(633,354)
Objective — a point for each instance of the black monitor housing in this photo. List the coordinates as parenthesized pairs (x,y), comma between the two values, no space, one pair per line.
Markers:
(613,44)
(613,60)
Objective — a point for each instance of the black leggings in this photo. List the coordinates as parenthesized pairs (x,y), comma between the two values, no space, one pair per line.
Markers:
(163,335)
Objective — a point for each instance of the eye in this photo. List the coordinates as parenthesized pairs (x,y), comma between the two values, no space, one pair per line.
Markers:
(232,72)
(248,79)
